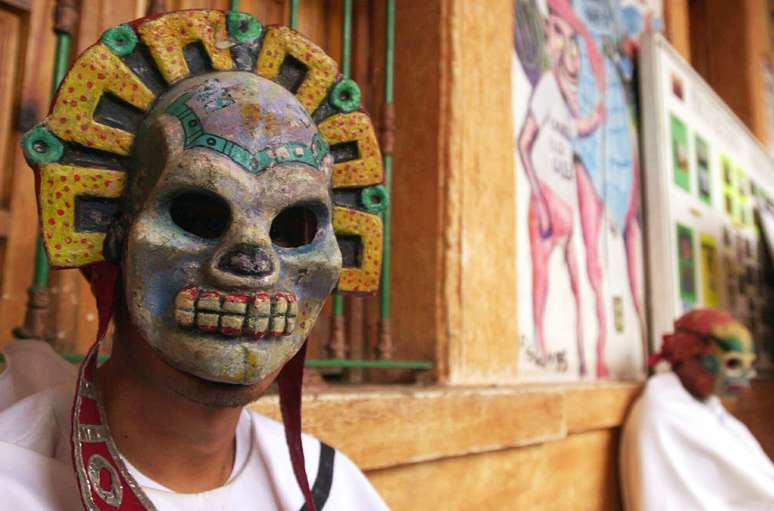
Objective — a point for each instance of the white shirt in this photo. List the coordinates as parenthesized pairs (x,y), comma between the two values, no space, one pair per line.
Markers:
(30,366)
(681,454)
(552,153)
(36,469)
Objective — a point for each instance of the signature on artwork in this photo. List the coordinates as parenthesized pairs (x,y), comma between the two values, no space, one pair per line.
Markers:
(556,360)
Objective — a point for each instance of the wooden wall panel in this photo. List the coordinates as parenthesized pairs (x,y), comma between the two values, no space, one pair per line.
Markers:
(417,192)
(755,409)
(728,41)
(29,106)
(393,427)
(453,274)
(537,447)
(269,12)
(10,46)
(676,21)
(598,406)
(579,472)
(481,210)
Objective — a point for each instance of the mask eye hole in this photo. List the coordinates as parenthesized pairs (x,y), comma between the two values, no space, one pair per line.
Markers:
(294,227)
(733,363)
(202,214)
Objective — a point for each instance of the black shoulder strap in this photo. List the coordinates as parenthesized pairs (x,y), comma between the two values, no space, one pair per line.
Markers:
(324,479)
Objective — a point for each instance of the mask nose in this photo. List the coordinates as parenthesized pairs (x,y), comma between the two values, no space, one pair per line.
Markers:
(247,261)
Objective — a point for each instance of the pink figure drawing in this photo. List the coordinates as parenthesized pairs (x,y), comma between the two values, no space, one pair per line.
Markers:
(559,183)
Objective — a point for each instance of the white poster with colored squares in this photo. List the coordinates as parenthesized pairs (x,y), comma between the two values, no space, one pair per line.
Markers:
(708,181)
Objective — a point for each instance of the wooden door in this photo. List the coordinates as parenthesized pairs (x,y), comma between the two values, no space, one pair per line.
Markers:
(19,108)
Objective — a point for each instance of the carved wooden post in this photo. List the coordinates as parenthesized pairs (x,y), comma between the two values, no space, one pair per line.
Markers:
(156,7)
(384,347)
(356,315)
(337,344)
(65,18)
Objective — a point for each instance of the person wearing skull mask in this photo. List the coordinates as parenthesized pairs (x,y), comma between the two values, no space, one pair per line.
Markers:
(198,167)
(680,448)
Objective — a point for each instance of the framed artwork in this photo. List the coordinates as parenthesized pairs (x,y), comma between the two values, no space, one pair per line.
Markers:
(705,249)
(710,270)
(572,266)
(703,177)
(727,174)
(680,153)
(686,264)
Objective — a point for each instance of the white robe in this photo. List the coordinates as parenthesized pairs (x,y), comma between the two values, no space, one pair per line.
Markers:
(31,366)
(36,469)
(681,454)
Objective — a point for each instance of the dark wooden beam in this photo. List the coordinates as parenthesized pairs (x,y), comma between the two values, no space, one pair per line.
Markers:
(24,5)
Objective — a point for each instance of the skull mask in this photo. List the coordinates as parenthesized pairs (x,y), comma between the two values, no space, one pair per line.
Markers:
(236,227)
(733,357)
(711,352)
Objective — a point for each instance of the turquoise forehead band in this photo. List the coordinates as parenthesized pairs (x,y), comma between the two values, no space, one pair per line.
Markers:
(293,152)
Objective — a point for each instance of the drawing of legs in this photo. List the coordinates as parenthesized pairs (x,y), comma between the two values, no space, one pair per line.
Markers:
(633,243)
(572,270)
(541,247)
(591,216)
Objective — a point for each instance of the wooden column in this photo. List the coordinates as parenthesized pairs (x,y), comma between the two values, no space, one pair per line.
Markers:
(480,223)
(26,56)
(729,41)
(417,190)
(454,213)
(677,26)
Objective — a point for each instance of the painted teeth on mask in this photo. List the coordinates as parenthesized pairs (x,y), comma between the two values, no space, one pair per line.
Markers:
(259,315)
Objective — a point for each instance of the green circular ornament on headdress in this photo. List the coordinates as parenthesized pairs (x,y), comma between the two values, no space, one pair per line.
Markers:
(345,95)
(41,146)
(243,27)
(374,199)
(121,40)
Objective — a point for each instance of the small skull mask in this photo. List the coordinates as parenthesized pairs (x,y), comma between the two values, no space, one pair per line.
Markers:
(711,352)
(230,206)
(734,356)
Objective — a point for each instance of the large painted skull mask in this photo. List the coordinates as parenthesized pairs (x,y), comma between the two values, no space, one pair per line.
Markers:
(227,168)
(236,226)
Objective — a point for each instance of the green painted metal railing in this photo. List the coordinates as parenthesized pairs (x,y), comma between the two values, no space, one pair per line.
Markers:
(77,358)
(293,14)
(346,39)
(61,61)
(369,364)
(389,65)
(346,55)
